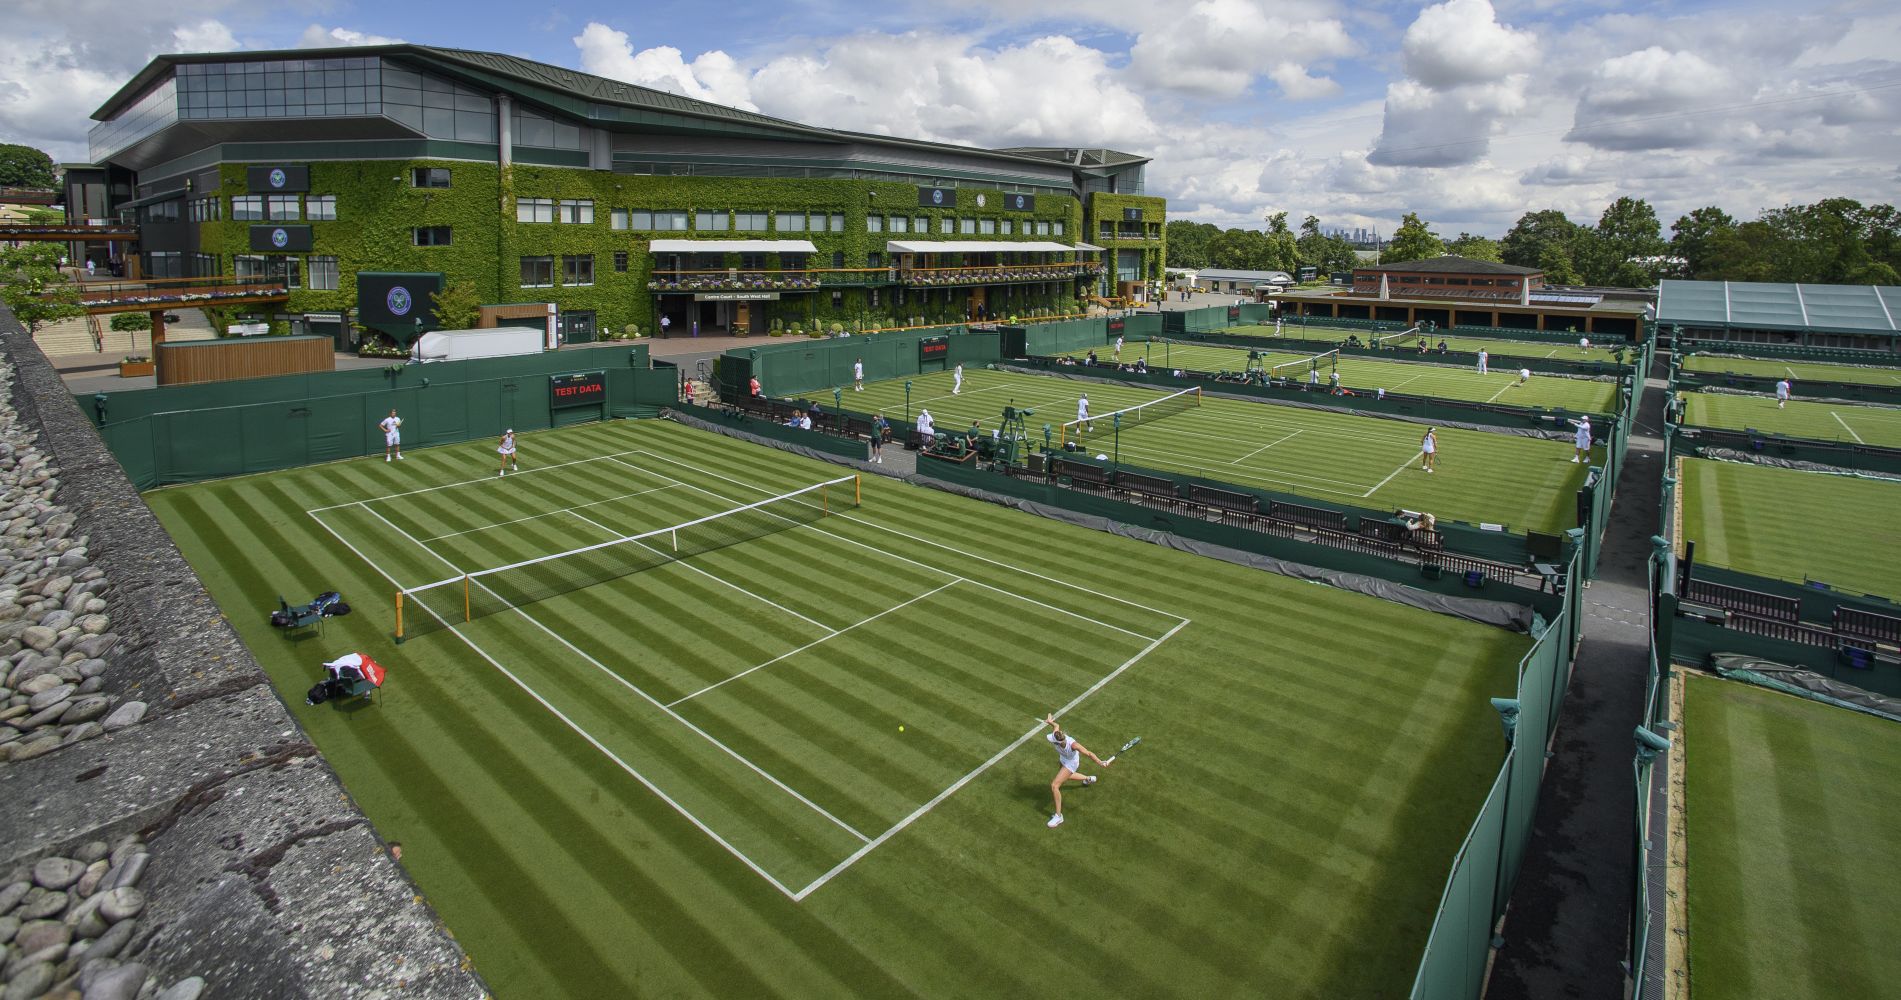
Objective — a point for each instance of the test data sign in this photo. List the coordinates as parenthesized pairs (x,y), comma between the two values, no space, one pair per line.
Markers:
(933,349)
(578,389)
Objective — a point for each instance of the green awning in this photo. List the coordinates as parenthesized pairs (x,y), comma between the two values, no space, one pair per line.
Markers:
(1757,305)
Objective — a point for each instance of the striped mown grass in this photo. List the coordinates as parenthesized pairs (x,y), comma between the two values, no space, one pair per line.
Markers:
(1599,350)
(1816,421)
(1791,525)
(1790,808)
(1812,371)
(1526,483)
(1310,759)
(1414,378)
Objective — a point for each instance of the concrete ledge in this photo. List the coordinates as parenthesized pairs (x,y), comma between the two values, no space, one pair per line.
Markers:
(266,878)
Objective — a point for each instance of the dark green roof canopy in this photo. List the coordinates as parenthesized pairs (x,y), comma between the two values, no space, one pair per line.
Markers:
(1756,305)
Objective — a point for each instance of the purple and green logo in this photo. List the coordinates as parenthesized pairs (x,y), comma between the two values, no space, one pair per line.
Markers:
(279,238)
(399,301)
(277,177)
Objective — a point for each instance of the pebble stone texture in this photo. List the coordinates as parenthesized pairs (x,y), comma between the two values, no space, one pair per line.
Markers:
(166,829)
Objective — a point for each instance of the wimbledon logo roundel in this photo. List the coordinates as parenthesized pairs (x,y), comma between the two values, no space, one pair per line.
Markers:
(277,177)
(399,301)
(279,238)
(937,197)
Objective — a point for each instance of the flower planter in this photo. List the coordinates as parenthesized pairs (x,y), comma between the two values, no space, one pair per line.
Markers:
(134,369)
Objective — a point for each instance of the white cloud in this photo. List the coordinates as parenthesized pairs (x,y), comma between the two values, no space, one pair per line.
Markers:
(1466,76)
(1216,48)
(1461,42)
(208,35)
(1638,101)
(319,37)
(713,76)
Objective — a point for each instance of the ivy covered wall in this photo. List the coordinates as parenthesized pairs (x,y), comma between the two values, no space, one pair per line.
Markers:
(1108,208)
(378,208)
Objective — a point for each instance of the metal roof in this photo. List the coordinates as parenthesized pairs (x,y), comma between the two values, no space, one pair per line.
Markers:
(1451,263)
(1226,274)
(732,246)
(1761,305)
(974,246)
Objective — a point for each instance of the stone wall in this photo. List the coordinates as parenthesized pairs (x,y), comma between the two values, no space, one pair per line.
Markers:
(263,877)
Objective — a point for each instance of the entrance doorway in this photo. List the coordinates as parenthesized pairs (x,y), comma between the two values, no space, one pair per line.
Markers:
(576,327)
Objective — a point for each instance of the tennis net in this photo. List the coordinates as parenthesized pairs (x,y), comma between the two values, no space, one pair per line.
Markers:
(458,599)
(1326,361)
(1079,431)
(1396,339)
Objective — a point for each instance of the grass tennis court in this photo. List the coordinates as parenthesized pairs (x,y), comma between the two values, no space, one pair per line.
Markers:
(1413,378)
(1790,808)
(690,780)
(1599,351)
(1816,421)
(1791,525)
(1811,371)
(1526,483)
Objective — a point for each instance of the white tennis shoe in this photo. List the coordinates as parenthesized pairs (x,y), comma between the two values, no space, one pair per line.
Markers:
(1089,779)
(1056,821)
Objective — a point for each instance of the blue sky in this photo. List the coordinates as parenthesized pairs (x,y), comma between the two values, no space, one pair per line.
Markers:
(1470,112)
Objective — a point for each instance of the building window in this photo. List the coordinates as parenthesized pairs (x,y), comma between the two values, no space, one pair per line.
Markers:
(283,208)
(534,210)
(968,227)
(163,264)
(754,262)
(920,225)
(429,177)
(204,265)
(838,222)
(430,236)
(838,300)
(819,221)
(900,224)
(577,212)
(323,274)
(874,259)
(321,207)
(1104,230)
(1043,228)
(204,209)
(947,225)
(791,222)
(873,299)
(874,223)
(620,260)
(792,261)
(1008,227)
(247,208)
(751,222)
(987,227)
(838,260)
(1056,229)
(711,222)
(577,270)
(666,222)
(247,267)
(537,272)
(617,219)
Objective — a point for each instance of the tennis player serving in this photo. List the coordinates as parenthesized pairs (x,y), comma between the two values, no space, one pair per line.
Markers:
(1069,754)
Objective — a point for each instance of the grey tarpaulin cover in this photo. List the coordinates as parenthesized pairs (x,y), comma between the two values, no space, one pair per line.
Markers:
(1516,617)
(1804,683)
(1732,455)
(1082,374)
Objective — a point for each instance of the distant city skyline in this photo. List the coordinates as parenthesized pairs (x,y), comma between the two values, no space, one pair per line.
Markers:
(1468,112)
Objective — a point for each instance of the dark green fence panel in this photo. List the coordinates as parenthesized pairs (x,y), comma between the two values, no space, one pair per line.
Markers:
(1453,966)
(830,444)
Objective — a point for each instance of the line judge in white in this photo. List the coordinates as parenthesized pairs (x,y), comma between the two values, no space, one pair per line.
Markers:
(392,435)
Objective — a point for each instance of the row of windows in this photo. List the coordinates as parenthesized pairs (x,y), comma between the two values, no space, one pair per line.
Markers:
(283,207)
(669,221)
(549,210)
(576,270)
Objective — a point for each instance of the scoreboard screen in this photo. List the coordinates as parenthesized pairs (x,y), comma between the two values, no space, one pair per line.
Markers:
(579,389)
(933,349)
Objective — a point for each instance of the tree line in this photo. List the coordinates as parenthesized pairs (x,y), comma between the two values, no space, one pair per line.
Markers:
(1833,241)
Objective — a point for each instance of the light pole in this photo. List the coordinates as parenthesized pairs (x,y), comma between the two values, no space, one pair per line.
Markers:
(907,401)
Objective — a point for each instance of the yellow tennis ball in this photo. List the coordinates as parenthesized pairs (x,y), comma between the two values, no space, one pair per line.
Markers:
(900,729)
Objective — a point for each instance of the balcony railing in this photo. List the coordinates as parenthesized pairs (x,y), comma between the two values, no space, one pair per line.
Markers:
(158,293)
(813,279)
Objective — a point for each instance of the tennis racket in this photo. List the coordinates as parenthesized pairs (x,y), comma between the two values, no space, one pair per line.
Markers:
(1126,747)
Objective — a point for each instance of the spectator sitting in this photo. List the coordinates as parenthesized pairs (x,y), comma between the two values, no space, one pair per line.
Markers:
(1442,347)
(1141,365)
(1091,361)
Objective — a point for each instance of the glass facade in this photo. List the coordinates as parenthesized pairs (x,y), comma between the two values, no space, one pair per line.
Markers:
(153,110)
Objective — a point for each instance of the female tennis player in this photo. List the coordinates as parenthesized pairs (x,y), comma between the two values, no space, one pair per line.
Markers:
(1069,754)
(1428,449)
(507,451)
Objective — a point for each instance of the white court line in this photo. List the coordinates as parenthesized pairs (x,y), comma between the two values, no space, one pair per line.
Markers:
(629,685)
(1791,371)
(937,569)
(551,513)
(958,395)
(467,482)
(919,812)
(809,645)
(710,576)
(1300,479)
(570,723)
(1263,448)
(1500,392)
(1403,466)
(1844,423)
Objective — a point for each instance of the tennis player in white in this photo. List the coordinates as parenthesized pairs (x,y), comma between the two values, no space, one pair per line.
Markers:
(1581,442)
(1428,448)
(392,435)
(1069,755)
(1782,394)
(1485,358)
(1082,412)
(858,375)
(507,451)
(957,379)
(1524,375)
(1118,347)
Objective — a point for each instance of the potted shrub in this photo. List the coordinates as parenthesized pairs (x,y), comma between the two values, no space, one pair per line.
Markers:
(136,365)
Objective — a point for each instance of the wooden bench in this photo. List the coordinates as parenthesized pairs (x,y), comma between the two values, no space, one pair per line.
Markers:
(1224,499)
(1311,517)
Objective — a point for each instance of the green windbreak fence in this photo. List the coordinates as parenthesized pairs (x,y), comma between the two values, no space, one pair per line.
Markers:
(1487,865)
(792,367)
(1310,343)
(184,434)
